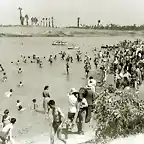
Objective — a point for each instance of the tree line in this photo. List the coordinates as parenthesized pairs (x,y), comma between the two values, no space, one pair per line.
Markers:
(111,26)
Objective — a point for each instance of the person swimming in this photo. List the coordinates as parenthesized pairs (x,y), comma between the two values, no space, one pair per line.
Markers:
(19,71)
(19,106)
(9,93)
(4,79)
(20,84)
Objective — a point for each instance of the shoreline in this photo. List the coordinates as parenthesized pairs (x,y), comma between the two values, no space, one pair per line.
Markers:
(19,31)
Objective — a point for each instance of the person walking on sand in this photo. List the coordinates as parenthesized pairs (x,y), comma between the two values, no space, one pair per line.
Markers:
(57,122)
(46,98)
(6,133)
(82,105)
(73,105)
(90,96)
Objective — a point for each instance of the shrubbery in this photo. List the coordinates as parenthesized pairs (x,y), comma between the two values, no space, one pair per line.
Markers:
(118,114)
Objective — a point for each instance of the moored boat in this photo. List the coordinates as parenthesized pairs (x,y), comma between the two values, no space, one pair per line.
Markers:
(59,43)
(73,47)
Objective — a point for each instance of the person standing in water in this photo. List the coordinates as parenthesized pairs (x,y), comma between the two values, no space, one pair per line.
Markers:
(67,68)
(46,98)
(6,118)
(6,133)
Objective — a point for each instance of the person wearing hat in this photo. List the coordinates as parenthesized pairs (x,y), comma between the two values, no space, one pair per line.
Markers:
(72,104)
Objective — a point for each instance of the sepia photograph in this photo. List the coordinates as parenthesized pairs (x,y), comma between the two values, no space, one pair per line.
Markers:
(71,72)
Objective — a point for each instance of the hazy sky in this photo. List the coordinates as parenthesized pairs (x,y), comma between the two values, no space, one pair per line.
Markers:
(65,12)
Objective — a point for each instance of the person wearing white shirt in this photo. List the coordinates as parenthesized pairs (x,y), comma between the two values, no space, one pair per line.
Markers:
(73,102)
(7,130)
(6,118)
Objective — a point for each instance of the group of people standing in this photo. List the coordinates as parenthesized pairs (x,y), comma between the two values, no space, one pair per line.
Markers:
(80,107)
(128,65)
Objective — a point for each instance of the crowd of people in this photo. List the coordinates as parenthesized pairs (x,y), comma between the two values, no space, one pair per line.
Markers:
(127,67)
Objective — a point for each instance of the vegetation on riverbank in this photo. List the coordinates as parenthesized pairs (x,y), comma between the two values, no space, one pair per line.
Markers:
(23,31)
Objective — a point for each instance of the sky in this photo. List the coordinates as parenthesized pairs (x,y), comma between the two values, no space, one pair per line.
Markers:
(65,12)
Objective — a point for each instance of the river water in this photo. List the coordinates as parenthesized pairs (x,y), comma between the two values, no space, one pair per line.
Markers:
(29,123)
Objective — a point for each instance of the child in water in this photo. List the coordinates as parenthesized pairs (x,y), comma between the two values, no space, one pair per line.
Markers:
(19,71)
(20,84)
(19,106)
(9,93)
(35,106)
(4,79)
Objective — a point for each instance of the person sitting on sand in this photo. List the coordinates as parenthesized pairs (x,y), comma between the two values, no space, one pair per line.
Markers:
(57,123)
(20,84)
(6,133)
(19,71)
(9,93)
(6,118)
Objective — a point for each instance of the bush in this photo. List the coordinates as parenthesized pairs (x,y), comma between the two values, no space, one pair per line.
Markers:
(118,114)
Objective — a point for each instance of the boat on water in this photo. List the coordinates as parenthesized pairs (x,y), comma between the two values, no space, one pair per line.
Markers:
(73,47)
(59,43)
(110,47)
